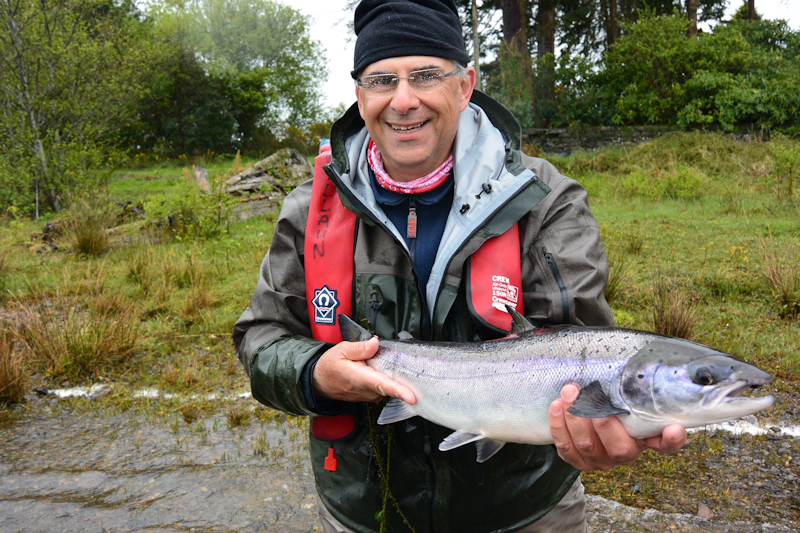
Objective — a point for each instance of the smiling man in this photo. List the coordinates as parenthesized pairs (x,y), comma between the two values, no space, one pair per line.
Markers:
(428,220)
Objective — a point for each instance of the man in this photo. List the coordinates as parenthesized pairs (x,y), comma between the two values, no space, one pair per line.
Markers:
(429,173)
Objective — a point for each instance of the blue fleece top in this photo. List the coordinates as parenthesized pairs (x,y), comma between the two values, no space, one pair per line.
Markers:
(432,209)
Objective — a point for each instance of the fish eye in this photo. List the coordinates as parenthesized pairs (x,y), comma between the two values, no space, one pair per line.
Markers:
(704,377)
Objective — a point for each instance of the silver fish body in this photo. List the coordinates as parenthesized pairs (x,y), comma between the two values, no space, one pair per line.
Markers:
(500,391)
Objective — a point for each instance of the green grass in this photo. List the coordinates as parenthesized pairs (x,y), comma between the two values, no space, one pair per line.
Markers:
(707,238)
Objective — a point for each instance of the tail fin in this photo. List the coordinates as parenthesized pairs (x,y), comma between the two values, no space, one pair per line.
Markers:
(351,331)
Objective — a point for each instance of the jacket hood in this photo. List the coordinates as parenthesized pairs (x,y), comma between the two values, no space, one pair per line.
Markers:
(487,168)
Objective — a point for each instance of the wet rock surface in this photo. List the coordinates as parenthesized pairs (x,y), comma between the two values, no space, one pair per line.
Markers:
(73,473)
(90,471)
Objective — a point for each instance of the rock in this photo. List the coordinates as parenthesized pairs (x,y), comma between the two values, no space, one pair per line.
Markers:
(669,508)
(704,511)
(201,178)
(281,172)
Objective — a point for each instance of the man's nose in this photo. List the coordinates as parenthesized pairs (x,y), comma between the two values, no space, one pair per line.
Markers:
(404,98)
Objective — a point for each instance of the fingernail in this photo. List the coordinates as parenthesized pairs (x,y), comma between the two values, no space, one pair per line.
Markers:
(555,409)
(569,394)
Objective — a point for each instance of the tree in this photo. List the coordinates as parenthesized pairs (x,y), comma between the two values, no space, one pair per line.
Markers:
(68,67)
(253,64)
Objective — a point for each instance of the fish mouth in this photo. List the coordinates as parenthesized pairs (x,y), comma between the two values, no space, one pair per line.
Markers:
(730,395)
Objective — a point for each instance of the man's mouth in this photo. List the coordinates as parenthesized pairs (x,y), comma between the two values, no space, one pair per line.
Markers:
(407,129)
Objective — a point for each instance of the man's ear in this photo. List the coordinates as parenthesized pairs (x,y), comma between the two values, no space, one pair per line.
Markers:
(467,86)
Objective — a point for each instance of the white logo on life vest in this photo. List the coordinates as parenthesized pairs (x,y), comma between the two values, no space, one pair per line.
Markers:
(504,293)
(325,304)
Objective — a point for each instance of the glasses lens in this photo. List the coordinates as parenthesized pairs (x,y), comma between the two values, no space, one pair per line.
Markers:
(425,80)
(380,83)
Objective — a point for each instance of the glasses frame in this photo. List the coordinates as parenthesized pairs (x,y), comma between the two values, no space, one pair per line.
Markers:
(411,76)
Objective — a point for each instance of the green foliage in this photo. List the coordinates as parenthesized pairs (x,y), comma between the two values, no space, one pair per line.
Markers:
(227,75)
(14,372)
(86,229)
(742,76)
(781,275)
(73,342)
(678,183)
(786,154)
(68,68)
(193,214)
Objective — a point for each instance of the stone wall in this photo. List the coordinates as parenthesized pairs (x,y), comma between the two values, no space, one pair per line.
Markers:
(564,141)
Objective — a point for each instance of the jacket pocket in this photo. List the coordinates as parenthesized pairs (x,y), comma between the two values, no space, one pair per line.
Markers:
(550,260)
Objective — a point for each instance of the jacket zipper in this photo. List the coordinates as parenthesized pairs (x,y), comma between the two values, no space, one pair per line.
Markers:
(411,228)
(551,263)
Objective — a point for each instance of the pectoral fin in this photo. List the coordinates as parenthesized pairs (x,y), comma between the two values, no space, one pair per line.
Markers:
(487,448)
(593,402)
(395,411)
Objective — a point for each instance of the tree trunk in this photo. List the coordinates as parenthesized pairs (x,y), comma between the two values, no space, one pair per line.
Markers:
(476,49)
(691,13)
(613,25)
(751,10)
(545,53)
(519,84)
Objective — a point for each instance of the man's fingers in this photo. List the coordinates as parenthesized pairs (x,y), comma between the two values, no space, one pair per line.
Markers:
(671,439)
(562,438)
(360,351)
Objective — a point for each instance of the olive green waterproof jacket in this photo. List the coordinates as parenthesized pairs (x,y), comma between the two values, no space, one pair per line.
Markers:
(564,274)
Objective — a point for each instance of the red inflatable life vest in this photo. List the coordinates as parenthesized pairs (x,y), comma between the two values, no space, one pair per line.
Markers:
(493,278)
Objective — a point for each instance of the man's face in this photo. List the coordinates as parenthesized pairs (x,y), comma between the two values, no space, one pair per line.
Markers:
(414,130)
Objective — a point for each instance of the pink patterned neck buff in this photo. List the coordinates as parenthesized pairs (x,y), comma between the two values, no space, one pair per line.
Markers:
(419,185)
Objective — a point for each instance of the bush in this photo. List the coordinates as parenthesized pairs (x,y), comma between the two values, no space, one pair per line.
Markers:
(741,76)
(193,214)
(86,230)
(70,341)
(14,374)
(781,276)
(680,183)
(673,311)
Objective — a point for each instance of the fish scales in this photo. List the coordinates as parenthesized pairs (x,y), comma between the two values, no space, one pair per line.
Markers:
(500,391)
(519,378)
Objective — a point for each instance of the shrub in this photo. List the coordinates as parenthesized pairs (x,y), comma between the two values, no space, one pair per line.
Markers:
(679,183)
(193,214)
(781,276)
(69,340)
(673,311)
(618,275)
(86,230)
(14,374)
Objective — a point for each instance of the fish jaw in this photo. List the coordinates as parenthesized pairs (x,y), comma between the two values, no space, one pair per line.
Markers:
(673,381)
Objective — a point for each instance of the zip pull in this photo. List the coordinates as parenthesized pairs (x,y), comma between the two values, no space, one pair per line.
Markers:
(331,461)
(411,227)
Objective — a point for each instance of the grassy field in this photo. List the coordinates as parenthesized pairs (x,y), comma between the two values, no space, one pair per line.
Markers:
(702,234)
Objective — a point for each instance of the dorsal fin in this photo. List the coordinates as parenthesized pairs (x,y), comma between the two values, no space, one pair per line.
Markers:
(351,331)
(405,336)
(518,321)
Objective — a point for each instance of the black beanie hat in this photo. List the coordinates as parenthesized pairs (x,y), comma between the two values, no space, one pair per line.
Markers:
(396,28)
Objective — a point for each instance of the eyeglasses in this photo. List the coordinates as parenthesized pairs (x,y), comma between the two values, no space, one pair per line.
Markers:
(421,81)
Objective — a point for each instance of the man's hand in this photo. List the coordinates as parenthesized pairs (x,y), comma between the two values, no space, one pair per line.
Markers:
(342,374)
(602,443)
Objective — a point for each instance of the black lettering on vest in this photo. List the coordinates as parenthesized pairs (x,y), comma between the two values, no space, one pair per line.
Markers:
(327,193)
(319,249)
